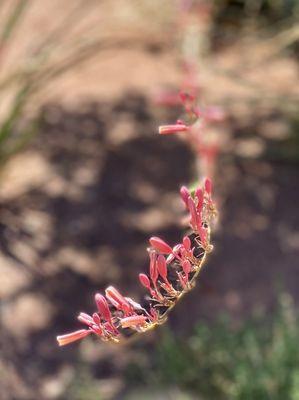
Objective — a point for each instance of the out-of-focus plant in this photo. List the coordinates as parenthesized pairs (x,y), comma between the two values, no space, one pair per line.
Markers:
(77,34)
(197,131)
(258,359)
(50,55)
(193,21)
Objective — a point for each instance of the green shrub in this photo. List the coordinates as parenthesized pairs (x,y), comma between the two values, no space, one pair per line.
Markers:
(258,360)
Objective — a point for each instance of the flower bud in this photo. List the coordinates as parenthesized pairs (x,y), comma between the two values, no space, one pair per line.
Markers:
(72,337)
(162,267)
(169,129)
(144,281)
(103,307)
(159,245)
(185,194)
(134,321)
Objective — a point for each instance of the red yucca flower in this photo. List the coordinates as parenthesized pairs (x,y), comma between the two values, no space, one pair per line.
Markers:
(172,273)
(169,129)
(206,147)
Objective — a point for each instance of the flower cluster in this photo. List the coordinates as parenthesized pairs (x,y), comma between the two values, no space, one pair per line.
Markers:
(172,273)
(199,122)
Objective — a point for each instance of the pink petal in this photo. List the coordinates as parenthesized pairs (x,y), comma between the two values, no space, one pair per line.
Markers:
(144,281)
(187,243)
(85,319)
(72,337)
(186,267)
(153,267)
(112,293)
(103,307)
(159,245)
(162,267)
(185,194)
(169,129)
(96,329)
(96,318)
(135,320)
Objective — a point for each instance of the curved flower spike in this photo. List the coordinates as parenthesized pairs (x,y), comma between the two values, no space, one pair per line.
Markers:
(169,279)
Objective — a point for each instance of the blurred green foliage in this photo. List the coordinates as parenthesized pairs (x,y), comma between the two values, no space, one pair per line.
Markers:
(258,359)
(82,387)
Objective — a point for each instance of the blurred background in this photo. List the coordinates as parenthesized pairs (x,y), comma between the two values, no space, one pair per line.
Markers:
(85,180)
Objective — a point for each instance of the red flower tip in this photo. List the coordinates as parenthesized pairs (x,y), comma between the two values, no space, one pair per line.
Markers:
(162,267)
(103,307)
(85,319)
(186,97)
(96,318)
(169,129)
(187,243)
(159,245)
(185,194)
(117,299)
(208,186)
(144,281)
(72,337)
(153,267)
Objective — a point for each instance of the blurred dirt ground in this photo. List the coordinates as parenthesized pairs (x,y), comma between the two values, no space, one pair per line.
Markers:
(77,207)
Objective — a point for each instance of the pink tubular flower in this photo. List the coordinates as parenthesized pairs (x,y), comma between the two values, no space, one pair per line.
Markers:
(187,243)
(117,299)
(162,267)
(144,281)
(185,194)
(85,319)
(135,320)
(169,129)
(103,307)
(153,267)
(72,337)
(159,245)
